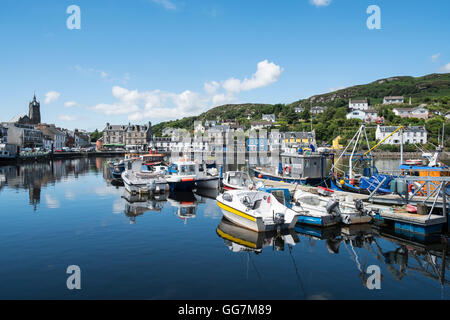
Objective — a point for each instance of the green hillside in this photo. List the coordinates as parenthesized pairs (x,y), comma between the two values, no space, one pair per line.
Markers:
(433,90)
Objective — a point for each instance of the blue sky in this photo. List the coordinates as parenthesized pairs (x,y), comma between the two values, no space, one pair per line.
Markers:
(153,60)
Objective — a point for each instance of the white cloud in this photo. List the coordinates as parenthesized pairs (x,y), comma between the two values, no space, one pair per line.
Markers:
(435,57)
(51,202)
(446,68)
(102,74)
(211,87)
(266,74)
(51,96)
(157,104)
(167,4)
(67,118)
(70,104)
(320,3)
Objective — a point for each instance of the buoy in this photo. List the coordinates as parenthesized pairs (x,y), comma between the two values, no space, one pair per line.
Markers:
(260,176)
(342,182)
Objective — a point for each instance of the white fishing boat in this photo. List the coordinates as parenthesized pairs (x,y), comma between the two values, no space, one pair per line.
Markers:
(256,210)
(236,180)
(321,206)
(138,181)
(185,175)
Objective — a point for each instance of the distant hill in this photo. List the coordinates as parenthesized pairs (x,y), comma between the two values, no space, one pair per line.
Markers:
(420,89)
(433,89)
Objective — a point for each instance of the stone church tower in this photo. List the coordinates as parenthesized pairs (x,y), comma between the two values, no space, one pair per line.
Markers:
(34,111)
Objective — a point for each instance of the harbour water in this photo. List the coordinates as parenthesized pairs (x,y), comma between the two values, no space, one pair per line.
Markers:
(64,213)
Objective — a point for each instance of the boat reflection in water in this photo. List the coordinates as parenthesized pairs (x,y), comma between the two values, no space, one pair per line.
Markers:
(185,203)
(239,239)
(207,193)
(408,258)
(137,205)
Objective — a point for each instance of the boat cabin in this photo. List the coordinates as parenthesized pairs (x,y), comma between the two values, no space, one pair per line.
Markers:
(310,166)
(184,168)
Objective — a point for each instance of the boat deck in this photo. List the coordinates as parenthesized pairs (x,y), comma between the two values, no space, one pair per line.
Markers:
(387,199)
(423,220)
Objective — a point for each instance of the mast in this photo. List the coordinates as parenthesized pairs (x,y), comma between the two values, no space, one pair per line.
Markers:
(351,156)
(401,146)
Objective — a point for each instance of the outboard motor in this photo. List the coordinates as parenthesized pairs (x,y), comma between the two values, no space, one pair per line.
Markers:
(333,208)
(151,186)
(278,218)
(359,205)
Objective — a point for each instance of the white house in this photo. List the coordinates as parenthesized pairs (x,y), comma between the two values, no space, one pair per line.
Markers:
(358,104)
(199,128)
(410,135)
(393,100)
(299,109)
(356,114)
(419,112)
(168,131)
(367,116)
(269,117)
(258,125)
(210,123)
(371,115)
(318,110)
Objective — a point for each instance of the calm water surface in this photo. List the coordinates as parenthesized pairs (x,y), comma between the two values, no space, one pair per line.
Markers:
(68,213)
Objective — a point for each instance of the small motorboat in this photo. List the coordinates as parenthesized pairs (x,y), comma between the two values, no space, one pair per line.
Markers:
(331,208)
(185,175)
(182,174)
(308,214)
(236,180)
(116,168)
(138,181)
(256,210)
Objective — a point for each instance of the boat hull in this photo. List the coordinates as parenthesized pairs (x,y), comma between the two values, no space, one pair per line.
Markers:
(181,185)
(208,183)
(249,222)
(268,176)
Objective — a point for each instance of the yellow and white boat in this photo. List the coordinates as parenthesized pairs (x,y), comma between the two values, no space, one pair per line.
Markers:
(256,210)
